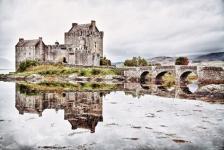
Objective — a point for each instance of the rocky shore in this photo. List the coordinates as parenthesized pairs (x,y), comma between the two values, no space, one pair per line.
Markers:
(36,78)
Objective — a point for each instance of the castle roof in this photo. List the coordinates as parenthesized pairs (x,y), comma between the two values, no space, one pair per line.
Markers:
(27,43)
(88,26)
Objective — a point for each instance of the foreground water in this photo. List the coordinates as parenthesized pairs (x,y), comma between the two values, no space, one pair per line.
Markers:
(106,120)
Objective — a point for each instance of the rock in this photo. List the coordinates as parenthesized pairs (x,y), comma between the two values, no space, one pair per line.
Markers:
(35,78)
(72,76)
(81,78)
(118,78)
(108,77)
(212,88)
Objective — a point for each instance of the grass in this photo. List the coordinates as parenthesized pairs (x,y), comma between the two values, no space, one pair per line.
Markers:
(191,78)
(168,80)
(59,86)
(60,70)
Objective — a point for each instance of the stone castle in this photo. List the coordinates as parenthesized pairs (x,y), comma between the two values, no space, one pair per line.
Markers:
(83,45)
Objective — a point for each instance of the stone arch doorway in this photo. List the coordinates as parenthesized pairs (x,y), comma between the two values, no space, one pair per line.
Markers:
(188,82)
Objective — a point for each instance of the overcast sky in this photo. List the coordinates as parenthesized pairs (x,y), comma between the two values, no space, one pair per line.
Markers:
(132,28)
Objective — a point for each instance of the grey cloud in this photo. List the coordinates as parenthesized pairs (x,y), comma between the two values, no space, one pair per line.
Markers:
(138,27)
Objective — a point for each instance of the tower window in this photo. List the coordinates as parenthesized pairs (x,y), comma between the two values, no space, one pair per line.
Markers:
(95,44)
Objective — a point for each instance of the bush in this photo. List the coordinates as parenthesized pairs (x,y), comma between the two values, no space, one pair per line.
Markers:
(26,64)
(96,71)
(83,73)
(105,62)
(136,62)
(182,61)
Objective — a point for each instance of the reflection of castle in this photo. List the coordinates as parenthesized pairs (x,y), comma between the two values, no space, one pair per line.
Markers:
(81,109)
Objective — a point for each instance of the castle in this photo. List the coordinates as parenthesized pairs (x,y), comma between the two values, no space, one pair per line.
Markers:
(83,45)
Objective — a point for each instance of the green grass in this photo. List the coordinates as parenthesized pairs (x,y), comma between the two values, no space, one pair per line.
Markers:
(168,80)
(60,70)
(27,88)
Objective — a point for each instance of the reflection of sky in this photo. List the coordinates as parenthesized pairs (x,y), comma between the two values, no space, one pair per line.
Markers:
(120,114)
(193,87)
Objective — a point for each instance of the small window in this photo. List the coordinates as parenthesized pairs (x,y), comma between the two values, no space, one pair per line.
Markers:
(64,94)
(95,44)
(64,60)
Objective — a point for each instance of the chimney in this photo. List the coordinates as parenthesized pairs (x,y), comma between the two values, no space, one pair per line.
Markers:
(74,24)
(93,23)
(40,38)
(21,39)
(57,43)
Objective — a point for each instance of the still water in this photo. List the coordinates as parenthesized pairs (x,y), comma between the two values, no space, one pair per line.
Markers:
(106,120)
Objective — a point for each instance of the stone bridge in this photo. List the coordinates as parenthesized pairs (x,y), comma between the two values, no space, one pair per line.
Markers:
(206,75)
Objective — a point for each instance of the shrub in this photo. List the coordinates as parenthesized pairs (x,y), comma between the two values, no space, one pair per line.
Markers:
(182,61)
(136,61)
(105,62)
(83,73)
(95,71)
(26,64)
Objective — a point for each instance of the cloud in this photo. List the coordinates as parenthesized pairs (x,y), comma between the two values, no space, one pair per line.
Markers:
(141,27)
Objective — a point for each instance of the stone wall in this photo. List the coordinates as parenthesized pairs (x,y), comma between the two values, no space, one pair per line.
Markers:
(209,75)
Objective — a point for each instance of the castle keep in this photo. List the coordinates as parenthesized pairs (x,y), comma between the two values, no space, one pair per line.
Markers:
(83,45)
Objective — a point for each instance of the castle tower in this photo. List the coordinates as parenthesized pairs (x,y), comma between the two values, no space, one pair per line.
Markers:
(85,37)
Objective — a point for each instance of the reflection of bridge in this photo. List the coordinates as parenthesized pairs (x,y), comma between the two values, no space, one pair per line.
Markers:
(81,109)
(181,92)
(205,74)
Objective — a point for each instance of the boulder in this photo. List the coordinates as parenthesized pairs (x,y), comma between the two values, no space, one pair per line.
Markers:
(212,88)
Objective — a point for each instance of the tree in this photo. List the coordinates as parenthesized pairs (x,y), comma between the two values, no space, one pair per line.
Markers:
(136,61)
(182,61)
(105,62)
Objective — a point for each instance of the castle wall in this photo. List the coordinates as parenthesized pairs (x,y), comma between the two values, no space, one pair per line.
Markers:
(30,52)
(24,53)
(56,54)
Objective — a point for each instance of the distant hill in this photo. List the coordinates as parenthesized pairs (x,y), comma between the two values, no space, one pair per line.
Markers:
(219,56)
(163,60)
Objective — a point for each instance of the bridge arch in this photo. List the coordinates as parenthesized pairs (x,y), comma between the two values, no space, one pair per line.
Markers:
(159,77)
(185,75)
(143,77)
(188,81)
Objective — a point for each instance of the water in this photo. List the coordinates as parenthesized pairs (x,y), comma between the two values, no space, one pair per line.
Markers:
(106,120)
(6,71)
